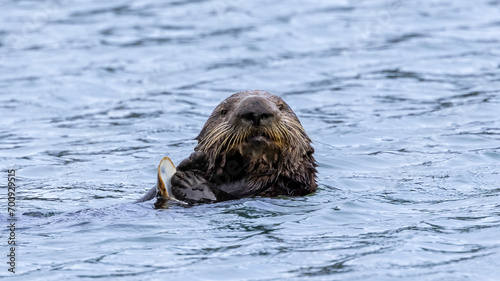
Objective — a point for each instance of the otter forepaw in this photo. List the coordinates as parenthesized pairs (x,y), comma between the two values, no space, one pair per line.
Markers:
(196,161)
(191,187)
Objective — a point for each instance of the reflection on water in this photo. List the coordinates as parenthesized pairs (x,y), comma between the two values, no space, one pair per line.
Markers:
(400,98)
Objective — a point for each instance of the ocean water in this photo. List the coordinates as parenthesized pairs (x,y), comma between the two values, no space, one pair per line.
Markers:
(400,98)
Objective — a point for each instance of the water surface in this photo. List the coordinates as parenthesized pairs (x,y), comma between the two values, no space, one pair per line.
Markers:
(401,99)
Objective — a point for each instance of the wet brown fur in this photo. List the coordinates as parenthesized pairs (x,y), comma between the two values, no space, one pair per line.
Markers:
(277,161)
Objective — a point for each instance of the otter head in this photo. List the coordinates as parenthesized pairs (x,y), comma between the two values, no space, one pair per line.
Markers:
(259,130)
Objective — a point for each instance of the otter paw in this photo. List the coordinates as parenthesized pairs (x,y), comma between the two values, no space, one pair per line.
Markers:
(196,161)
(191,187)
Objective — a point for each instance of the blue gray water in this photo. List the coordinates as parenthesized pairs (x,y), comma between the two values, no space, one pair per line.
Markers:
(401,99)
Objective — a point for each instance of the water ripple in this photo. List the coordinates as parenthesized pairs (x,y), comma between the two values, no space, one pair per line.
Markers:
(400,98)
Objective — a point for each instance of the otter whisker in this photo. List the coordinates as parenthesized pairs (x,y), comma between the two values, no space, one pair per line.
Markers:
(297,132)
(210,137)
(241,138)
(279,136)
(235,139)
(213,137)
(284,131)
(219,149)
(274,135)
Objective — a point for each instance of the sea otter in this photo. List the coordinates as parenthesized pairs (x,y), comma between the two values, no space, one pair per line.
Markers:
(251,145)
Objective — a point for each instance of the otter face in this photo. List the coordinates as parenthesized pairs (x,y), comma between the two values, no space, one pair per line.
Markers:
(255,116)
(258,126)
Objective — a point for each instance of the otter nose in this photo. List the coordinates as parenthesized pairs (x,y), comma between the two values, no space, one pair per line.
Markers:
(255,110)
(256,118)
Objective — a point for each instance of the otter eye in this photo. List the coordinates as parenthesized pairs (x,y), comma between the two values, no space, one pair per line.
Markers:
(280,106)
(223,112)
